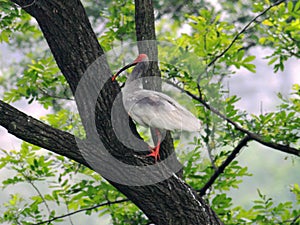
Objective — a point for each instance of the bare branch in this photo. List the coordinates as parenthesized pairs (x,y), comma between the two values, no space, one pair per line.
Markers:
(55,96)
(291,221)
(38,191)
(295,220)
(243,31)
(254,136)
(82,210)
(221,169)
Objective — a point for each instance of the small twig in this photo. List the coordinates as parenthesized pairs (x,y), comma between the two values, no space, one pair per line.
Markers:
(254,136)
(210,156)
(40,194)
(68,211)
(37,190)
(82,210)
(221,169)
(287,49)
(55,96)
(209,150)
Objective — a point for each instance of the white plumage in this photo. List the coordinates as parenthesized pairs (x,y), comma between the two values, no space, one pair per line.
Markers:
(158,110)
(151,108)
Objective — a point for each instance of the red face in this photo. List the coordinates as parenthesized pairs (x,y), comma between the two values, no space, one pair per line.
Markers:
(140,58)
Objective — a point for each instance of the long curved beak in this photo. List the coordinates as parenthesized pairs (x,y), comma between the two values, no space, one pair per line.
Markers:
(122,69)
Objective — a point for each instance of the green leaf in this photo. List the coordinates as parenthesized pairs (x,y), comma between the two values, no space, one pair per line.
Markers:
(290,6)
(249,58)
(250,67)
(273,60)
(4,36)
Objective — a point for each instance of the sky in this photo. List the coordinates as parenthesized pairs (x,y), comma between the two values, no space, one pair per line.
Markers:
(259,91)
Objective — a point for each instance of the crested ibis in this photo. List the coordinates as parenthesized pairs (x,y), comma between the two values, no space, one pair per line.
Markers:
(151,108)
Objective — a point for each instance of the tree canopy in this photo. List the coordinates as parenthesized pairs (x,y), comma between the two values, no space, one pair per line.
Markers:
(67,52)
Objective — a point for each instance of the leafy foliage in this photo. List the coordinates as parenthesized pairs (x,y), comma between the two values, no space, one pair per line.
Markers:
(71,187)
(35,82)
(281,31)
(13,19)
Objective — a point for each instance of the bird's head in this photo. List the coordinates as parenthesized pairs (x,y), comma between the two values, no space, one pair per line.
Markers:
(141,58)
(142,62)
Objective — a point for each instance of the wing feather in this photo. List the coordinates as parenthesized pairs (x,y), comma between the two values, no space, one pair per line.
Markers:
(155,109)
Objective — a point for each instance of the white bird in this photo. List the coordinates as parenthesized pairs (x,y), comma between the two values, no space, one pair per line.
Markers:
(151,108)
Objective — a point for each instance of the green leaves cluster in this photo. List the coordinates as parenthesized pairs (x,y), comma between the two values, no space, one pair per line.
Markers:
(198,169)
(281,33)
(26,168)
(265,211)
(281,126)
(120,24)
(12,20)
(209,37)
(58,186)
(41,81)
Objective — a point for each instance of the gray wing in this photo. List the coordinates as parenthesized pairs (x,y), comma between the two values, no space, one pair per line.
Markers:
(155,109)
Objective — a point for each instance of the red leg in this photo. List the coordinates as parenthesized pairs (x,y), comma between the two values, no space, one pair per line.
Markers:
(155,151)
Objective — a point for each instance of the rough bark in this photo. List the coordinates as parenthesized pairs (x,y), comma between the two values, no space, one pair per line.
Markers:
(146,37)
(75,47)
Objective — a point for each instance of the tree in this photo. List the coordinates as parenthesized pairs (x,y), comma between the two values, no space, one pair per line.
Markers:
(167,198)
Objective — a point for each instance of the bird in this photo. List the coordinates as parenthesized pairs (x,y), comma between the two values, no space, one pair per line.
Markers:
(152,108)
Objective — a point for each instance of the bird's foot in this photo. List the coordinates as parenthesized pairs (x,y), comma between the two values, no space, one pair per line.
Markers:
(154,152)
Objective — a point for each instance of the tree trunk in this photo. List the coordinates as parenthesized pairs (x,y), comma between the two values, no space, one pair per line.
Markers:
(155,189)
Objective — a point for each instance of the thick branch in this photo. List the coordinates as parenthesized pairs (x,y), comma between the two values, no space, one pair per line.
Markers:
(144,26)
(38,133)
